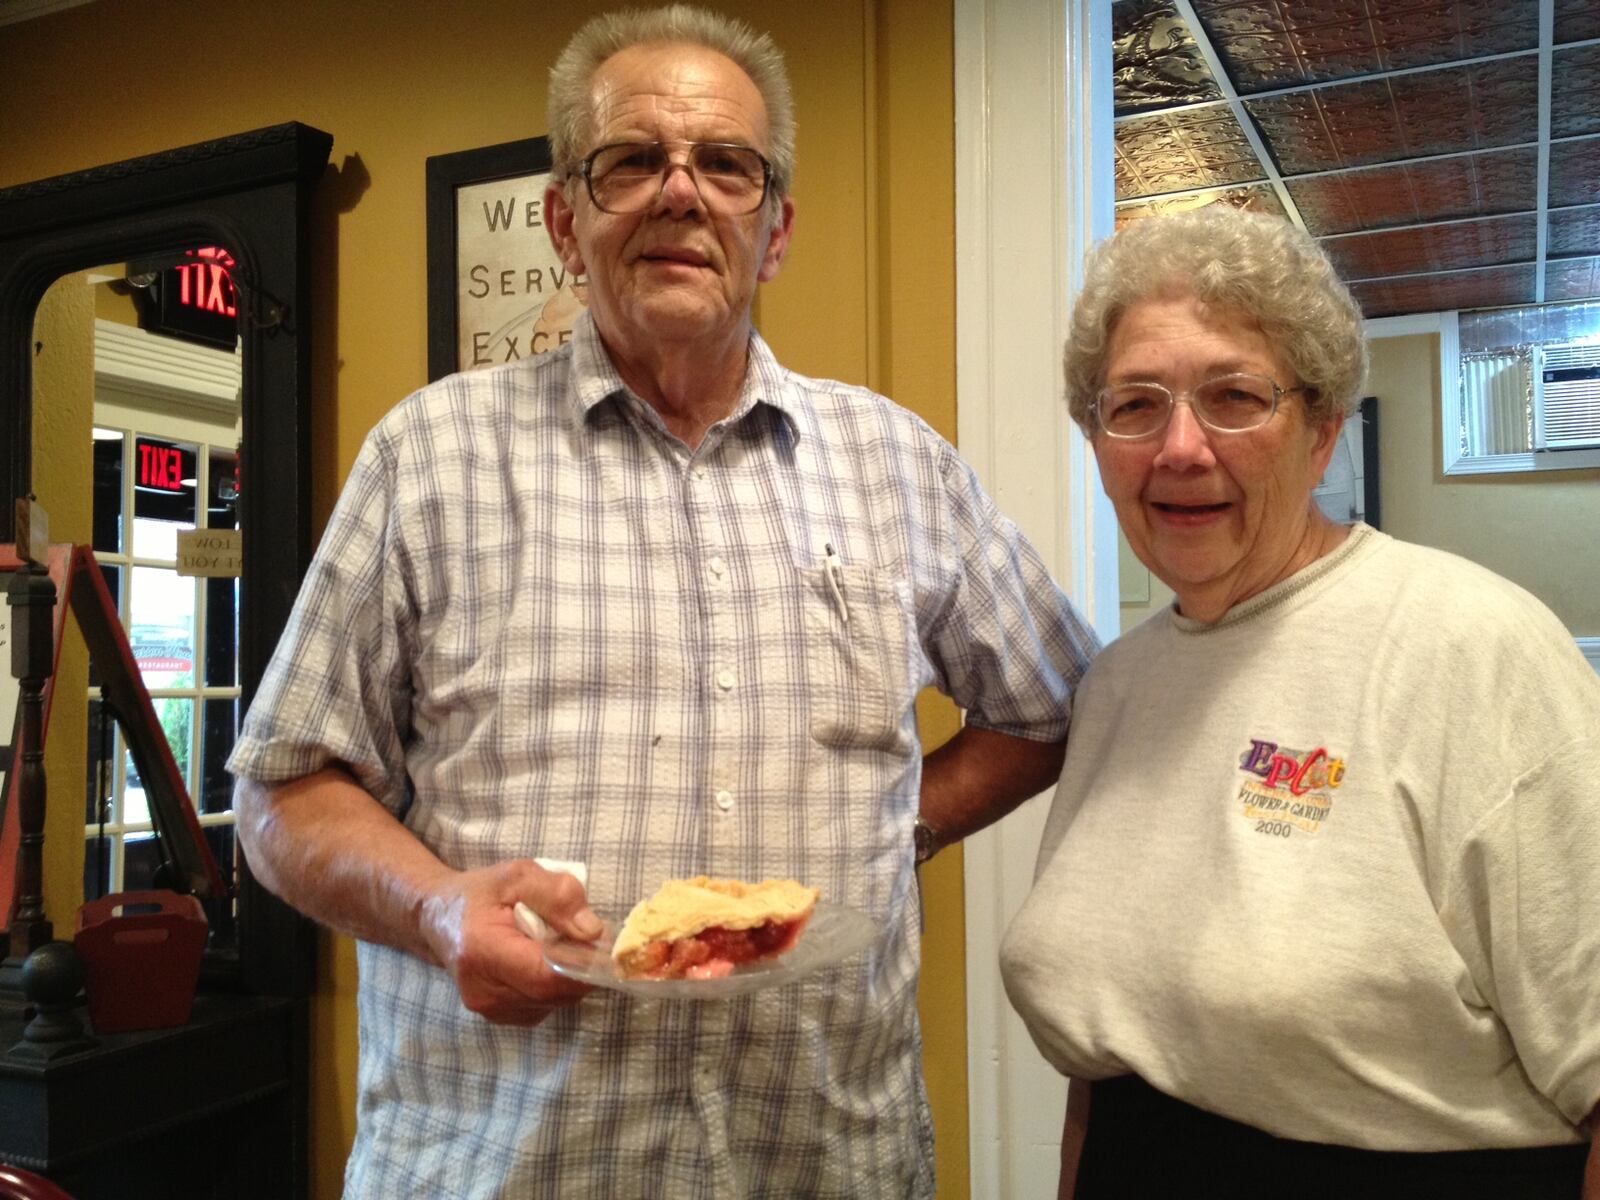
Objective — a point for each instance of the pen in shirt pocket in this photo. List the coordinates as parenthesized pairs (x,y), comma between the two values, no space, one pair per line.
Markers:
(833,569)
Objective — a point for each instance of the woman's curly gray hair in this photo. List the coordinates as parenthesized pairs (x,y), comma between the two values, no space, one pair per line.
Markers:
(1261,266)
(569,113)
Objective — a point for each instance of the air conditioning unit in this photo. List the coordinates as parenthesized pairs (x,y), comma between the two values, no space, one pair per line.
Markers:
(1566,397)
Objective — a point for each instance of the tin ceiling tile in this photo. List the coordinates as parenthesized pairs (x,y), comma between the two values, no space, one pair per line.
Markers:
(1167,152)
(1295,132)
(1430,112)
(1461,108)
(1156,63)
(1489,288)
(1575,172)
(1572,279)
(1576,20)
(1231,18)
(1435,247)
(1575,91)
(1257,198)
(1498,181)
(1576,231)
(1271,45)
(1420,35)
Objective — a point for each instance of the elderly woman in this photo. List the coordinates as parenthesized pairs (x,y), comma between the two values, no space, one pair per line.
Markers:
(1318,904)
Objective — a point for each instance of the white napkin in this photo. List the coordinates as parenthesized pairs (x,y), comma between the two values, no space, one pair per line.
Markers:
(529,921)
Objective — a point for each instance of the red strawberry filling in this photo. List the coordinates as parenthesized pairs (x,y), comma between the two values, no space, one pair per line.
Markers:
(715,952)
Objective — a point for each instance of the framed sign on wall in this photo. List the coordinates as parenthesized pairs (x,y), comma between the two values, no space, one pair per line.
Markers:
(497,292)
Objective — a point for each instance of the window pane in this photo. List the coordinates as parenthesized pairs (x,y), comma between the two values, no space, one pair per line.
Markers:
(176,714)
(217,734)
(98,783)
(113,577)
(222,632)
(112,574)
(163,495)
(135,805)
(97,867)
(162,627)
(222,595)
(141,859)
(108,445)
(222,504)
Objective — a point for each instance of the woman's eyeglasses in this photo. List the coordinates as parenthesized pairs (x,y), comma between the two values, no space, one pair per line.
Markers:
(1234,403)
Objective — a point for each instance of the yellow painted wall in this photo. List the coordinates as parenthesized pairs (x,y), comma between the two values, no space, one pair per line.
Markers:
(1537,529)
(867,294)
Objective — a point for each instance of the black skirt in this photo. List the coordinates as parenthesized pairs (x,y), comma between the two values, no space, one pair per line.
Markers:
(1141,1143)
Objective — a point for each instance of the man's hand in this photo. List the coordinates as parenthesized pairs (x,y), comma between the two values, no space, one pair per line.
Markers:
(499,971)
(327,847)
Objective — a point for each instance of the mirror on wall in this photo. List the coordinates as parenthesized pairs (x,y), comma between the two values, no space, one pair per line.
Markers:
(155,324)
(138,421)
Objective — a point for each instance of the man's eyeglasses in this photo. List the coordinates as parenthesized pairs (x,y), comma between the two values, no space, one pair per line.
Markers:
(1226,404)
(627,177)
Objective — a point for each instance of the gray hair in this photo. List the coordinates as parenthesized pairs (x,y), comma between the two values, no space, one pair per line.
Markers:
(1261,266)
(571,117)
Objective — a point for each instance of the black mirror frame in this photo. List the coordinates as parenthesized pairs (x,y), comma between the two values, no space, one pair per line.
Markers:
(250,193)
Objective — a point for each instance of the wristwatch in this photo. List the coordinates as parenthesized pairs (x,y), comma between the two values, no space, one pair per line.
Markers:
(926,840)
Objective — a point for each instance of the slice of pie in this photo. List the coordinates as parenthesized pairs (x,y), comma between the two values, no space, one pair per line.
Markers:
(703,928)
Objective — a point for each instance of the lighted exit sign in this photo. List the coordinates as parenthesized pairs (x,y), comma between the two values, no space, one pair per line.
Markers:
(160,467)
(196,299)
(206,284)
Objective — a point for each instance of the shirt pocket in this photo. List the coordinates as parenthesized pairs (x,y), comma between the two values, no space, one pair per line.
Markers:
(861,668)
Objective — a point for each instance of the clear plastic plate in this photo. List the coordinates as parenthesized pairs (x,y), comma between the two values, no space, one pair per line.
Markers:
(834,934)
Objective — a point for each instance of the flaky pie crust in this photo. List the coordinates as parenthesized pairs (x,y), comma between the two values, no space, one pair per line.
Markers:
(685,907)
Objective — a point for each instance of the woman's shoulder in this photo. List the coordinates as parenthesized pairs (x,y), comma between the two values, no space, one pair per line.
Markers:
(1479,633)
(1457,592)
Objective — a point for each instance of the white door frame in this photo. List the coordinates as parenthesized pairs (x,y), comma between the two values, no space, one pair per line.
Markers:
(1033,191)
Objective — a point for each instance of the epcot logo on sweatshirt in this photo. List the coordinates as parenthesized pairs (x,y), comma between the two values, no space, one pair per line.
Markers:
(1288,790)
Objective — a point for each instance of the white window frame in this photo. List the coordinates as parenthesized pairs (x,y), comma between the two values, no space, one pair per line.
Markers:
(1447,326)
(157,387)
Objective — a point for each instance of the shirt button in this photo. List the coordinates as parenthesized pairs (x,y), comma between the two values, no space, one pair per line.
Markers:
(725,680)
(717,567)
(724,800)
(699,472)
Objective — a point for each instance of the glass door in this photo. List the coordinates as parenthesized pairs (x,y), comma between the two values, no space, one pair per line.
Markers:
(150,486)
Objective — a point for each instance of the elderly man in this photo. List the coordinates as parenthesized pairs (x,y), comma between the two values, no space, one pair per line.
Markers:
(655,604)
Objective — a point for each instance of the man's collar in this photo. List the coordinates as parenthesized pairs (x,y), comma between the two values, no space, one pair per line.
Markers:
(767,381)
(597,380)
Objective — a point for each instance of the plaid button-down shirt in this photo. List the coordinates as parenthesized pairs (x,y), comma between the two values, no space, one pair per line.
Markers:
(538,624)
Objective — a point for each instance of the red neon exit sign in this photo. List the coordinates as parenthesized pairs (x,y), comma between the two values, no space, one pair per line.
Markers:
(205,283)
(160,467)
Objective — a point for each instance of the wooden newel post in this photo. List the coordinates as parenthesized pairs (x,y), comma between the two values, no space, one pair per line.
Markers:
(32,597)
